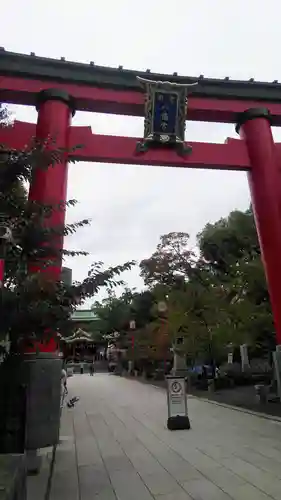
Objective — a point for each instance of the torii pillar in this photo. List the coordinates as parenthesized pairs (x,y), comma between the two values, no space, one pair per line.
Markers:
(55,108)
(254,126)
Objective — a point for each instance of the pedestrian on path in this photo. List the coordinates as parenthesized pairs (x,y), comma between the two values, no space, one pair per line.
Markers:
(92,368)
(64,390)
(64,381)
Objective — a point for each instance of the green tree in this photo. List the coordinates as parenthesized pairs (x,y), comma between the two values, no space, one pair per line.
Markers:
(228,240)
(32,303)
(231,250)
(195,301)
(113,313)
(172,259)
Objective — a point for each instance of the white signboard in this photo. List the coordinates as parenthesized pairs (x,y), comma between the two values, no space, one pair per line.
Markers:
(230,358)
(177,404)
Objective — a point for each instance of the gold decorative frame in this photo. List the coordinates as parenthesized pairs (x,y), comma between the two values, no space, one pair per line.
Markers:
(150,137)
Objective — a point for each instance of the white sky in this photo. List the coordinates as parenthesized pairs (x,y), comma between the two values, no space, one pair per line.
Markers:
(131,206)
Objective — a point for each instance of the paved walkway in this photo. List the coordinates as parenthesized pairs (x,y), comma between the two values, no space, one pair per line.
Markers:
(115,445)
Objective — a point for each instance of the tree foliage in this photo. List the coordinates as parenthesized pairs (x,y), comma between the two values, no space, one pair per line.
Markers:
(230,248)
(32,303)
(171,260)
(215,295)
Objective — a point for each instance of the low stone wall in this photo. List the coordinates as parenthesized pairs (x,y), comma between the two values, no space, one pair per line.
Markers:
(76,367)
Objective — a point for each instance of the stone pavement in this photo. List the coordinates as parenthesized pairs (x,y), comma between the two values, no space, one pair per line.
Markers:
(115,445)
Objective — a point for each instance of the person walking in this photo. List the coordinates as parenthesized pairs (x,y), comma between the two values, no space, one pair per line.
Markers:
(92,368)
(64,381)
(64,390)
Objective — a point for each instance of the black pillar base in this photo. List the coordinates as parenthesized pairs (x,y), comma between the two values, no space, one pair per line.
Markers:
(178,423)
(13,477)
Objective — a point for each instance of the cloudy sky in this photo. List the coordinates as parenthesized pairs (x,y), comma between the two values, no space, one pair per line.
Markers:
(132,206)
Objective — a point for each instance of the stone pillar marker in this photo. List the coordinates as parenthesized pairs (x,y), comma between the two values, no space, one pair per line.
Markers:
(179,362)
(245,364)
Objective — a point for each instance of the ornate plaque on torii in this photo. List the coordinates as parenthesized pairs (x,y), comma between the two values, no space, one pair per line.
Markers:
(165,115)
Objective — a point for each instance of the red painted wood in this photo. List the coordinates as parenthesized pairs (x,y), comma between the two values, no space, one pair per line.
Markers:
(50,345)
(102,100)
(264,182)
(18,136)
(111,149)
(50,186)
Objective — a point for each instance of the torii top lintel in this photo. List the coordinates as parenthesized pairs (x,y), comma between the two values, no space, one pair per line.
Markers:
(116,90)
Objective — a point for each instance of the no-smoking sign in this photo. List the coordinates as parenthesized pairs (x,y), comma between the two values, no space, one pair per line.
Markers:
(177,403)
(176,387)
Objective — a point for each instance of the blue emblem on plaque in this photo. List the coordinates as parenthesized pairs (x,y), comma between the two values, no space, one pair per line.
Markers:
(165,115)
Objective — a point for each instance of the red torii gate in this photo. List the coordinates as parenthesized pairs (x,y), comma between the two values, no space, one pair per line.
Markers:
(58,88)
